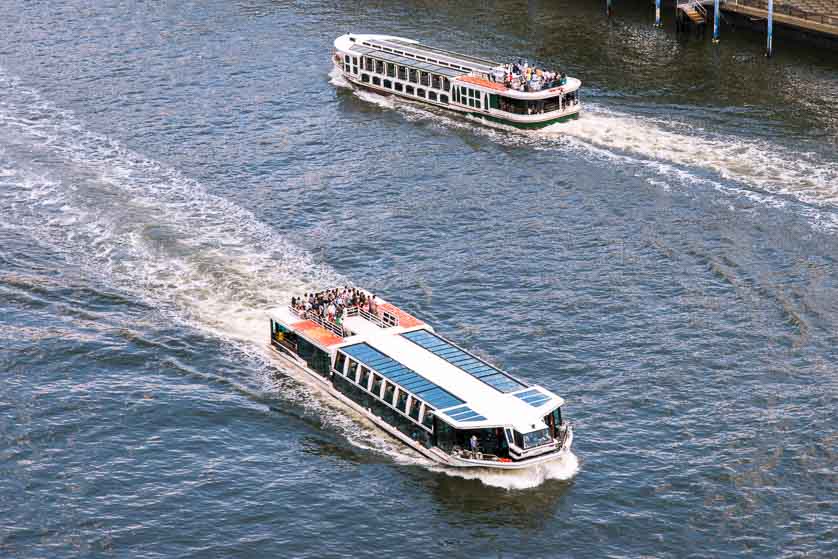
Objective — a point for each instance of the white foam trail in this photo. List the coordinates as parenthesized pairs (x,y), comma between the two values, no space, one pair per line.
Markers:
(759,164)
(671,151)
(563,468)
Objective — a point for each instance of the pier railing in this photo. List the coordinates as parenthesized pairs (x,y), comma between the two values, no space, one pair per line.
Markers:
(696,5)
(789,10)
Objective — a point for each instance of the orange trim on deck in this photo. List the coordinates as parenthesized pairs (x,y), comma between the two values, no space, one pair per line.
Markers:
(405,320)
(484,83)
(317,333)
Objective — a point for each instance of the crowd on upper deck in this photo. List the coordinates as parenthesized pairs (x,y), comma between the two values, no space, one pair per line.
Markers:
(332,304)
(521,76)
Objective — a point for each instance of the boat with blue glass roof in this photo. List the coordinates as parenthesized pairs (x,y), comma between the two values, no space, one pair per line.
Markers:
(514,93)
(436,397)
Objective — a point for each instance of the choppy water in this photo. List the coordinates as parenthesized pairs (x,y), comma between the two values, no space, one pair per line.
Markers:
(169,173)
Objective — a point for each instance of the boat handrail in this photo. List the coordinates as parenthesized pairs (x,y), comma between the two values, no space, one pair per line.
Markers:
(697,5)
(339,331)
(385,321)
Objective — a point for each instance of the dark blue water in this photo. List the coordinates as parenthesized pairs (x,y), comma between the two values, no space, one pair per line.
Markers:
(169,173)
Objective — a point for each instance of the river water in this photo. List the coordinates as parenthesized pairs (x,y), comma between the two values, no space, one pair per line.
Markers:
(170,172)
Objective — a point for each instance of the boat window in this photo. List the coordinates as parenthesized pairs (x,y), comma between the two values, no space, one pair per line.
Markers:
(285,337)
(415,408)
(409,89)
(368,65)
(432,95)
(552,104)
(446,85)
(436,82)
(352,370)
(401,401)
(424,79)
(355,60)
(376,385)
(389,390)
(532,439)
(365,78)
(376,80)
(379,67)
(412,75)
(346,58)
(517,106)
(428,418)
(398,86)
(365,377)
(476,103)
(340,361)
(443,99)
(509,437)
(402,73)
(388,84)
(420,92)
(391,69)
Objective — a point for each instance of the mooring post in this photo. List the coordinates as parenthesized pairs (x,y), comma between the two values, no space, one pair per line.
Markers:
(769,46)
(716,21)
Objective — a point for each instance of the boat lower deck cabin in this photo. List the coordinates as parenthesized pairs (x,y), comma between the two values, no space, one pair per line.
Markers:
(442,400)
(514,93)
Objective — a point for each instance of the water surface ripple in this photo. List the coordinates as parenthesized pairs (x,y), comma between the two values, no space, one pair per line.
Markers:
(170,173)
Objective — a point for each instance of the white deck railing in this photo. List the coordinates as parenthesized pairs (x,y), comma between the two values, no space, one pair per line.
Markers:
(339,331)
(386,320)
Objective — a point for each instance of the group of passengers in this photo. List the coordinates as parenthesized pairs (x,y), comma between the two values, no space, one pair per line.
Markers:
(523,77)
(332,304)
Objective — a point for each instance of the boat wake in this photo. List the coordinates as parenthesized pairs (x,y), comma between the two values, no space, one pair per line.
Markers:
(145,229)
(672,154)
(766,168)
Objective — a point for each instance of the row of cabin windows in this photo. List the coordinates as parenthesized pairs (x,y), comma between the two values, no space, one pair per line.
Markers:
(410,90)
(385,411)
(463,95)
(471,97)
(392,70)
(373,382)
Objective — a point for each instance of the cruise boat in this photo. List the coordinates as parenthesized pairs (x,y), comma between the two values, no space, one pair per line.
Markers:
(423,389)
(509,93)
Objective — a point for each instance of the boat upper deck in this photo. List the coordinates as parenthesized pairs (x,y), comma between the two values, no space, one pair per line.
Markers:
(513,80)
(466,390)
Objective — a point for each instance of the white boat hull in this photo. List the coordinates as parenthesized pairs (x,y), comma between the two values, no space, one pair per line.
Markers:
(433,454)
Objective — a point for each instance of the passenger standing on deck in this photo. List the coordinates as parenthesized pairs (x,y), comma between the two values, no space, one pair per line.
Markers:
(472,443)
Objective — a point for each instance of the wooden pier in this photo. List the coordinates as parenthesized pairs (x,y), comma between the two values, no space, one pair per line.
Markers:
(811,16)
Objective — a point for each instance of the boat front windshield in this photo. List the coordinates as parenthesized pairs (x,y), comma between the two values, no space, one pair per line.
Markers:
(536,438)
